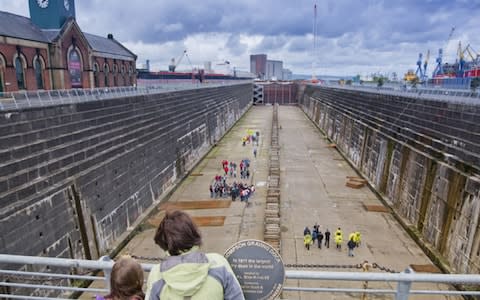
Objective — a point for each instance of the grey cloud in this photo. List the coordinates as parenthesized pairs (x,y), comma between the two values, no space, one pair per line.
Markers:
(235,46)
(352,34)
(271,43)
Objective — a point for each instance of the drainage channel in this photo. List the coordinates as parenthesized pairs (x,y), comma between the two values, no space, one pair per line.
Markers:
(272,211)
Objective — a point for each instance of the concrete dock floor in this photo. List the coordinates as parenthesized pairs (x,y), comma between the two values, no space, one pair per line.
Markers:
(313,190)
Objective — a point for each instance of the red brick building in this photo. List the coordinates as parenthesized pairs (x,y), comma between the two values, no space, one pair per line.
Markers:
(49,51)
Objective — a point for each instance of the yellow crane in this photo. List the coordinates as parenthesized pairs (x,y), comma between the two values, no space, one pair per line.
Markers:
(472,53)
(410,76)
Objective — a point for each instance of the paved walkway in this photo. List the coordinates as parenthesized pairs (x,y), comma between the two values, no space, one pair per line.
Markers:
(312,190)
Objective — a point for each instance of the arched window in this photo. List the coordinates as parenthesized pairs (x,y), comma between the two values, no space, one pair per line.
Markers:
(20,72)
(130,75)
(123,75)
(38,67)
(115,74)
(96,70)
(75,68)
(106,69)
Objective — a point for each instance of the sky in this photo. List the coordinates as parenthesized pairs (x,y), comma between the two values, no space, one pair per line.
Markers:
(353,36)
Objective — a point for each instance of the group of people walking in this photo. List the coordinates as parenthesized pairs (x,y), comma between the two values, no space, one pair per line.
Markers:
(230,168)
(310,237)
(251,137)
(220,188)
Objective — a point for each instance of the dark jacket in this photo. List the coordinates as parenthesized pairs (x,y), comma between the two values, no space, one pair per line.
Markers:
(351,244)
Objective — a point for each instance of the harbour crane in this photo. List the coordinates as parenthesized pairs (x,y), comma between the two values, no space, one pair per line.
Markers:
(461,60)
(473,55)
(174,65)
(439,68)
(419,71)
(425,65)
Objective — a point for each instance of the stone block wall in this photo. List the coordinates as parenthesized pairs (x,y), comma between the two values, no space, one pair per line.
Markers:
(422,156)
(73,178)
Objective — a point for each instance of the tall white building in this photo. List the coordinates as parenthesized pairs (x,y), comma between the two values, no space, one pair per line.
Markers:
(274,70)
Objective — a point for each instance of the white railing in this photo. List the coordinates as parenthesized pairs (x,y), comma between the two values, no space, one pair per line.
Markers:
(451,95)
(40,284)
(39,98)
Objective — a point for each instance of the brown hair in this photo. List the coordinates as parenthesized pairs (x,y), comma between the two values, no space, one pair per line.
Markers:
(126,280)
(177,233)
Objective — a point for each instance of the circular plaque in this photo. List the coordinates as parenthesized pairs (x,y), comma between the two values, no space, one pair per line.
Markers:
(258,267)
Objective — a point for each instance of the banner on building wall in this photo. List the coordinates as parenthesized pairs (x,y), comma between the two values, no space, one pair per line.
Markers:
(75,69)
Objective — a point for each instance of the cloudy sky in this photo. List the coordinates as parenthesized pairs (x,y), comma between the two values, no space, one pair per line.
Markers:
(354,36)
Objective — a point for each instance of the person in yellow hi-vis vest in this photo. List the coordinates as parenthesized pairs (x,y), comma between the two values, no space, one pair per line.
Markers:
(338,238)
(351,236)
(338,241)
(357,238)
(307,240)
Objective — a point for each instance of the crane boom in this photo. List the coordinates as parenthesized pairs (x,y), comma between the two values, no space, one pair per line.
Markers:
(450,35)
(425,65)
(174,65)
(439,68)
(472,53)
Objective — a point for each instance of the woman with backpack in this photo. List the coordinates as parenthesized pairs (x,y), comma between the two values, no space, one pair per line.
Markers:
(188,272)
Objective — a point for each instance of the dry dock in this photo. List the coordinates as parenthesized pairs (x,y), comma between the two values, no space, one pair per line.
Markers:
(313,190)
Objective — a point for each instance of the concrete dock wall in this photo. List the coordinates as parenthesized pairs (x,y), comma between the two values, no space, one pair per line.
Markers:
(421,156)
(73,178)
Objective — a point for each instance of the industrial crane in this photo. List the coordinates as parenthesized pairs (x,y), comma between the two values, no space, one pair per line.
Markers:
(475,58)
(425,65)
(461,60)
(439,68)
(420,74)
(174,65)
(419,71)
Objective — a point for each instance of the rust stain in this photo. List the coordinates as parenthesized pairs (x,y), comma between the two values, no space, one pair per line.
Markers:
(200,221)
(209,221)
(357,179)
(376,208)
(200,204)
(155,221)
(425,268)
(355,182)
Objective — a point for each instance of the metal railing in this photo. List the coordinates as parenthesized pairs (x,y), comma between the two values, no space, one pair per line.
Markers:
(39,98)
(451,95)
(45,283)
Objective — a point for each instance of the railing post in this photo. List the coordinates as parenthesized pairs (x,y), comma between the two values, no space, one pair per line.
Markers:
(49,96)
(403,288)
(28,99)
(107,272)
(366,266)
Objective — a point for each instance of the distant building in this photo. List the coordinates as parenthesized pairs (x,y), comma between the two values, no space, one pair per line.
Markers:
(258,65)
(287,74)
(274,70)
(49,51)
